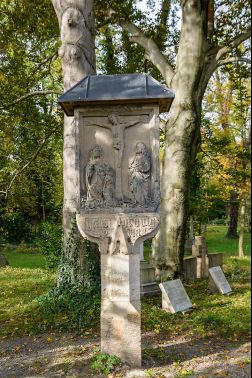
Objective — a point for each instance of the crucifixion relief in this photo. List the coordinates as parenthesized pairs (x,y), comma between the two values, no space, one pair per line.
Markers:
(117,128)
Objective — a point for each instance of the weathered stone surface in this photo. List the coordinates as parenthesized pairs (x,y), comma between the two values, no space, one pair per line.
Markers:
(190,268)
(149,286)
(110,225)
(218,281)
(215,259)
(117,158)
(3,261)
(202,266)
(174,297)
(120,310)
(199,247)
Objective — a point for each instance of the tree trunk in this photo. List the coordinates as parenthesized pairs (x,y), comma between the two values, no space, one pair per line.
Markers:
(182,141)
(233,216)
(242,227)
(77,52)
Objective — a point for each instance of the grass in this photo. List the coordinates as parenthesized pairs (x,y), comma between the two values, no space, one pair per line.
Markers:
(220,315)
(25,260)
(19,312)
(217,242)
(229,316)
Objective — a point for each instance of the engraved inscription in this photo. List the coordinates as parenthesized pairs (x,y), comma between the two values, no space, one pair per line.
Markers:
(104,226)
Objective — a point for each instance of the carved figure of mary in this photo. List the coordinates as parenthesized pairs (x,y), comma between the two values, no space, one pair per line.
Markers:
(95,176)
(139,174)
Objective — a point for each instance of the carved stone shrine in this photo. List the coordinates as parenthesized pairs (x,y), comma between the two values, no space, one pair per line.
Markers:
(118,190)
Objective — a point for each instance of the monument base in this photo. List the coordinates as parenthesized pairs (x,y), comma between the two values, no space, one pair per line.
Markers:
(120,308)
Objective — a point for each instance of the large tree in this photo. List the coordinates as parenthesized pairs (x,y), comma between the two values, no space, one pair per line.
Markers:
(77,52)
(211,34)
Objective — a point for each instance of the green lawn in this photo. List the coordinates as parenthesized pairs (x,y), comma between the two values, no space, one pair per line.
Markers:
(217,242)
(25,260)
(27,278)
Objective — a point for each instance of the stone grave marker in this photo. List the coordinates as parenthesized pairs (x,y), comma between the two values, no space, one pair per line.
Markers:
(118,191)
(218,281)
(174,297)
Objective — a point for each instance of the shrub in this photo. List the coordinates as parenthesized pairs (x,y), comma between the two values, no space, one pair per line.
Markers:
(76,295)
(50,243)
(15,228)
(105,363)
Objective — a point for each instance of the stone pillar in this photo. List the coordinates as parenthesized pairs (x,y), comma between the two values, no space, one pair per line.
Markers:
(120,308)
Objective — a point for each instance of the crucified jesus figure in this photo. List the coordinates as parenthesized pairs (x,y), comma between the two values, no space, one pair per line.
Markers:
(117,127)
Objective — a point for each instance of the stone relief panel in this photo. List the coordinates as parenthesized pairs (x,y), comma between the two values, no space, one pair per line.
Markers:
(119,171)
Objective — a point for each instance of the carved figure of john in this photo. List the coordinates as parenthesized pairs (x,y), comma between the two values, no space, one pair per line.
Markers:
(139,174)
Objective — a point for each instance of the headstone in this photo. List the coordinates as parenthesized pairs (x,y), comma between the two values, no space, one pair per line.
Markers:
(215,259)
(3,261)
(190,268)
(142,252)
(118,191)
(199,247)
(149,286)
(174,297)
(218,281)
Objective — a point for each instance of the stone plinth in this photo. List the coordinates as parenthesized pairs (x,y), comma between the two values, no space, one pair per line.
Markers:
(119,237)
(215,259)
(120,310)
(198,267)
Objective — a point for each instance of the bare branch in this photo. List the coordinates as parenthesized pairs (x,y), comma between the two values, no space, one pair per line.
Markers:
(152,52)
(218,52)
(36,93)
(213,58)
(17,172)
(232,59)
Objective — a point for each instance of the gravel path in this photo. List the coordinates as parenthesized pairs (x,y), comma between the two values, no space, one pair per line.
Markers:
(66,355)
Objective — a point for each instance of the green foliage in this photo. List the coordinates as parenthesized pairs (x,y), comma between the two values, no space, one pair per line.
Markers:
(77,291)
(104,363)
(50,243)
(15,228)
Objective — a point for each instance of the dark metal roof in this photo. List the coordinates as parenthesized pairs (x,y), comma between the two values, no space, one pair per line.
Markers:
(116,89)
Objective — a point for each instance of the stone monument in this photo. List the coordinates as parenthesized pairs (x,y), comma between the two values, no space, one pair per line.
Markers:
(118,190)
(174,297)
(218,281)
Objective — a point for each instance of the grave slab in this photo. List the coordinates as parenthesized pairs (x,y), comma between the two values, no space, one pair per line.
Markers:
(218,281)
(174,297)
